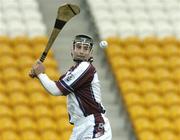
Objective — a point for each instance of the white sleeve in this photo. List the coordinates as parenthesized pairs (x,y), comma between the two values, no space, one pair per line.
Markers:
(49,85)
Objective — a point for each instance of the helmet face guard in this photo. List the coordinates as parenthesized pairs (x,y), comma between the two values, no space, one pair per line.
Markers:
(84,39)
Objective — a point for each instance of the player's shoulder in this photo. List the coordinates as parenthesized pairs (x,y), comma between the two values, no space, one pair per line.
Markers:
(85,65)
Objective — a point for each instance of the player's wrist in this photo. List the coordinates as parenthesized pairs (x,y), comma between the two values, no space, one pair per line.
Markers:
(41,75)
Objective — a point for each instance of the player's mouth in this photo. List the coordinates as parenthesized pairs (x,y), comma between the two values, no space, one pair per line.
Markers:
(81,57)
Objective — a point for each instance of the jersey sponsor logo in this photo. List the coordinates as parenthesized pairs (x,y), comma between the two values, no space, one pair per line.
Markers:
(69,77)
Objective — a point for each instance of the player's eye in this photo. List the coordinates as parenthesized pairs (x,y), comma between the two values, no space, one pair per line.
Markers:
(86,48)
(78,45)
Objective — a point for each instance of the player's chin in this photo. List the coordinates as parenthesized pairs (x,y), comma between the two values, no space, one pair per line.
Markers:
(80,59)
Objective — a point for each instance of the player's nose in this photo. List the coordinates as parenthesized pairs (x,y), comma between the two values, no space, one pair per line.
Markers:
(81,50)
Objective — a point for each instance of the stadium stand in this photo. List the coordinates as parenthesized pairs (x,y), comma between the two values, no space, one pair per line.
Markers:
(26,108)
(143,54)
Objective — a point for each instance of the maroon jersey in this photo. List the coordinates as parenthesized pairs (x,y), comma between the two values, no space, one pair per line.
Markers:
(82,88)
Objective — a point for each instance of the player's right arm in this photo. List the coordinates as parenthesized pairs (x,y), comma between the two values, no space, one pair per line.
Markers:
(38,71)
(49,84)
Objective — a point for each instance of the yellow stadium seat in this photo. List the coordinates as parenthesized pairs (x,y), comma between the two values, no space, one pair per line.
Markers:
(45,123)
(176,123)
(119,62)
(150,40)
(176,75)
(18,98)
(147,86)
(5,50)
(147,135)
(2,87)
(4,99)
(151,50)
(122,74)
(14,85)
(132,50)
(39,99)
(39,40)
(114,50)
(64,125)
(51,63)
(30,135)
(167,135)
(50,135)
(38,49)
(133,99)
(174,111)
(131,40)
(5,111)
(162,124)
(26,123)
(168,40)
(171,98)
(157,111)
(171,50)
(66,135)
(137,111)
(173,62)
(7,123)
(11,73)
(23,50)
(142,74)
(42,111)
(20,111)
(142,124)
(4,39)
(152,98)
(167,86)
(25,61)
(157,62)
(34,86)
(9,135)
(129,86)
(53,73)
(1,78)
(60,111)
(25,74)
(7,61)
(161,74)
(114,40)
(57,100)
(20,40)
(138,61)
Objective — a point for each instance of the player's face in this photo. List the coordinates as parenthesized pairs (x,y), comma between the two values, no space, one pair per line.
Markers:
(81,51)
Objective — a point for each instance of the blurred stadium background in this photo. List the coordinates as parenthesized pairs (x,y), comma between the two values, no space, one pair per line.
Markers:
(139,71)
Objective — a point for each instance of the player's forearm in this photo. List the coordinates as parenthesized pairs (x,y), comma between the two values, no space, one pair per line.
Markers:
(49,85)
